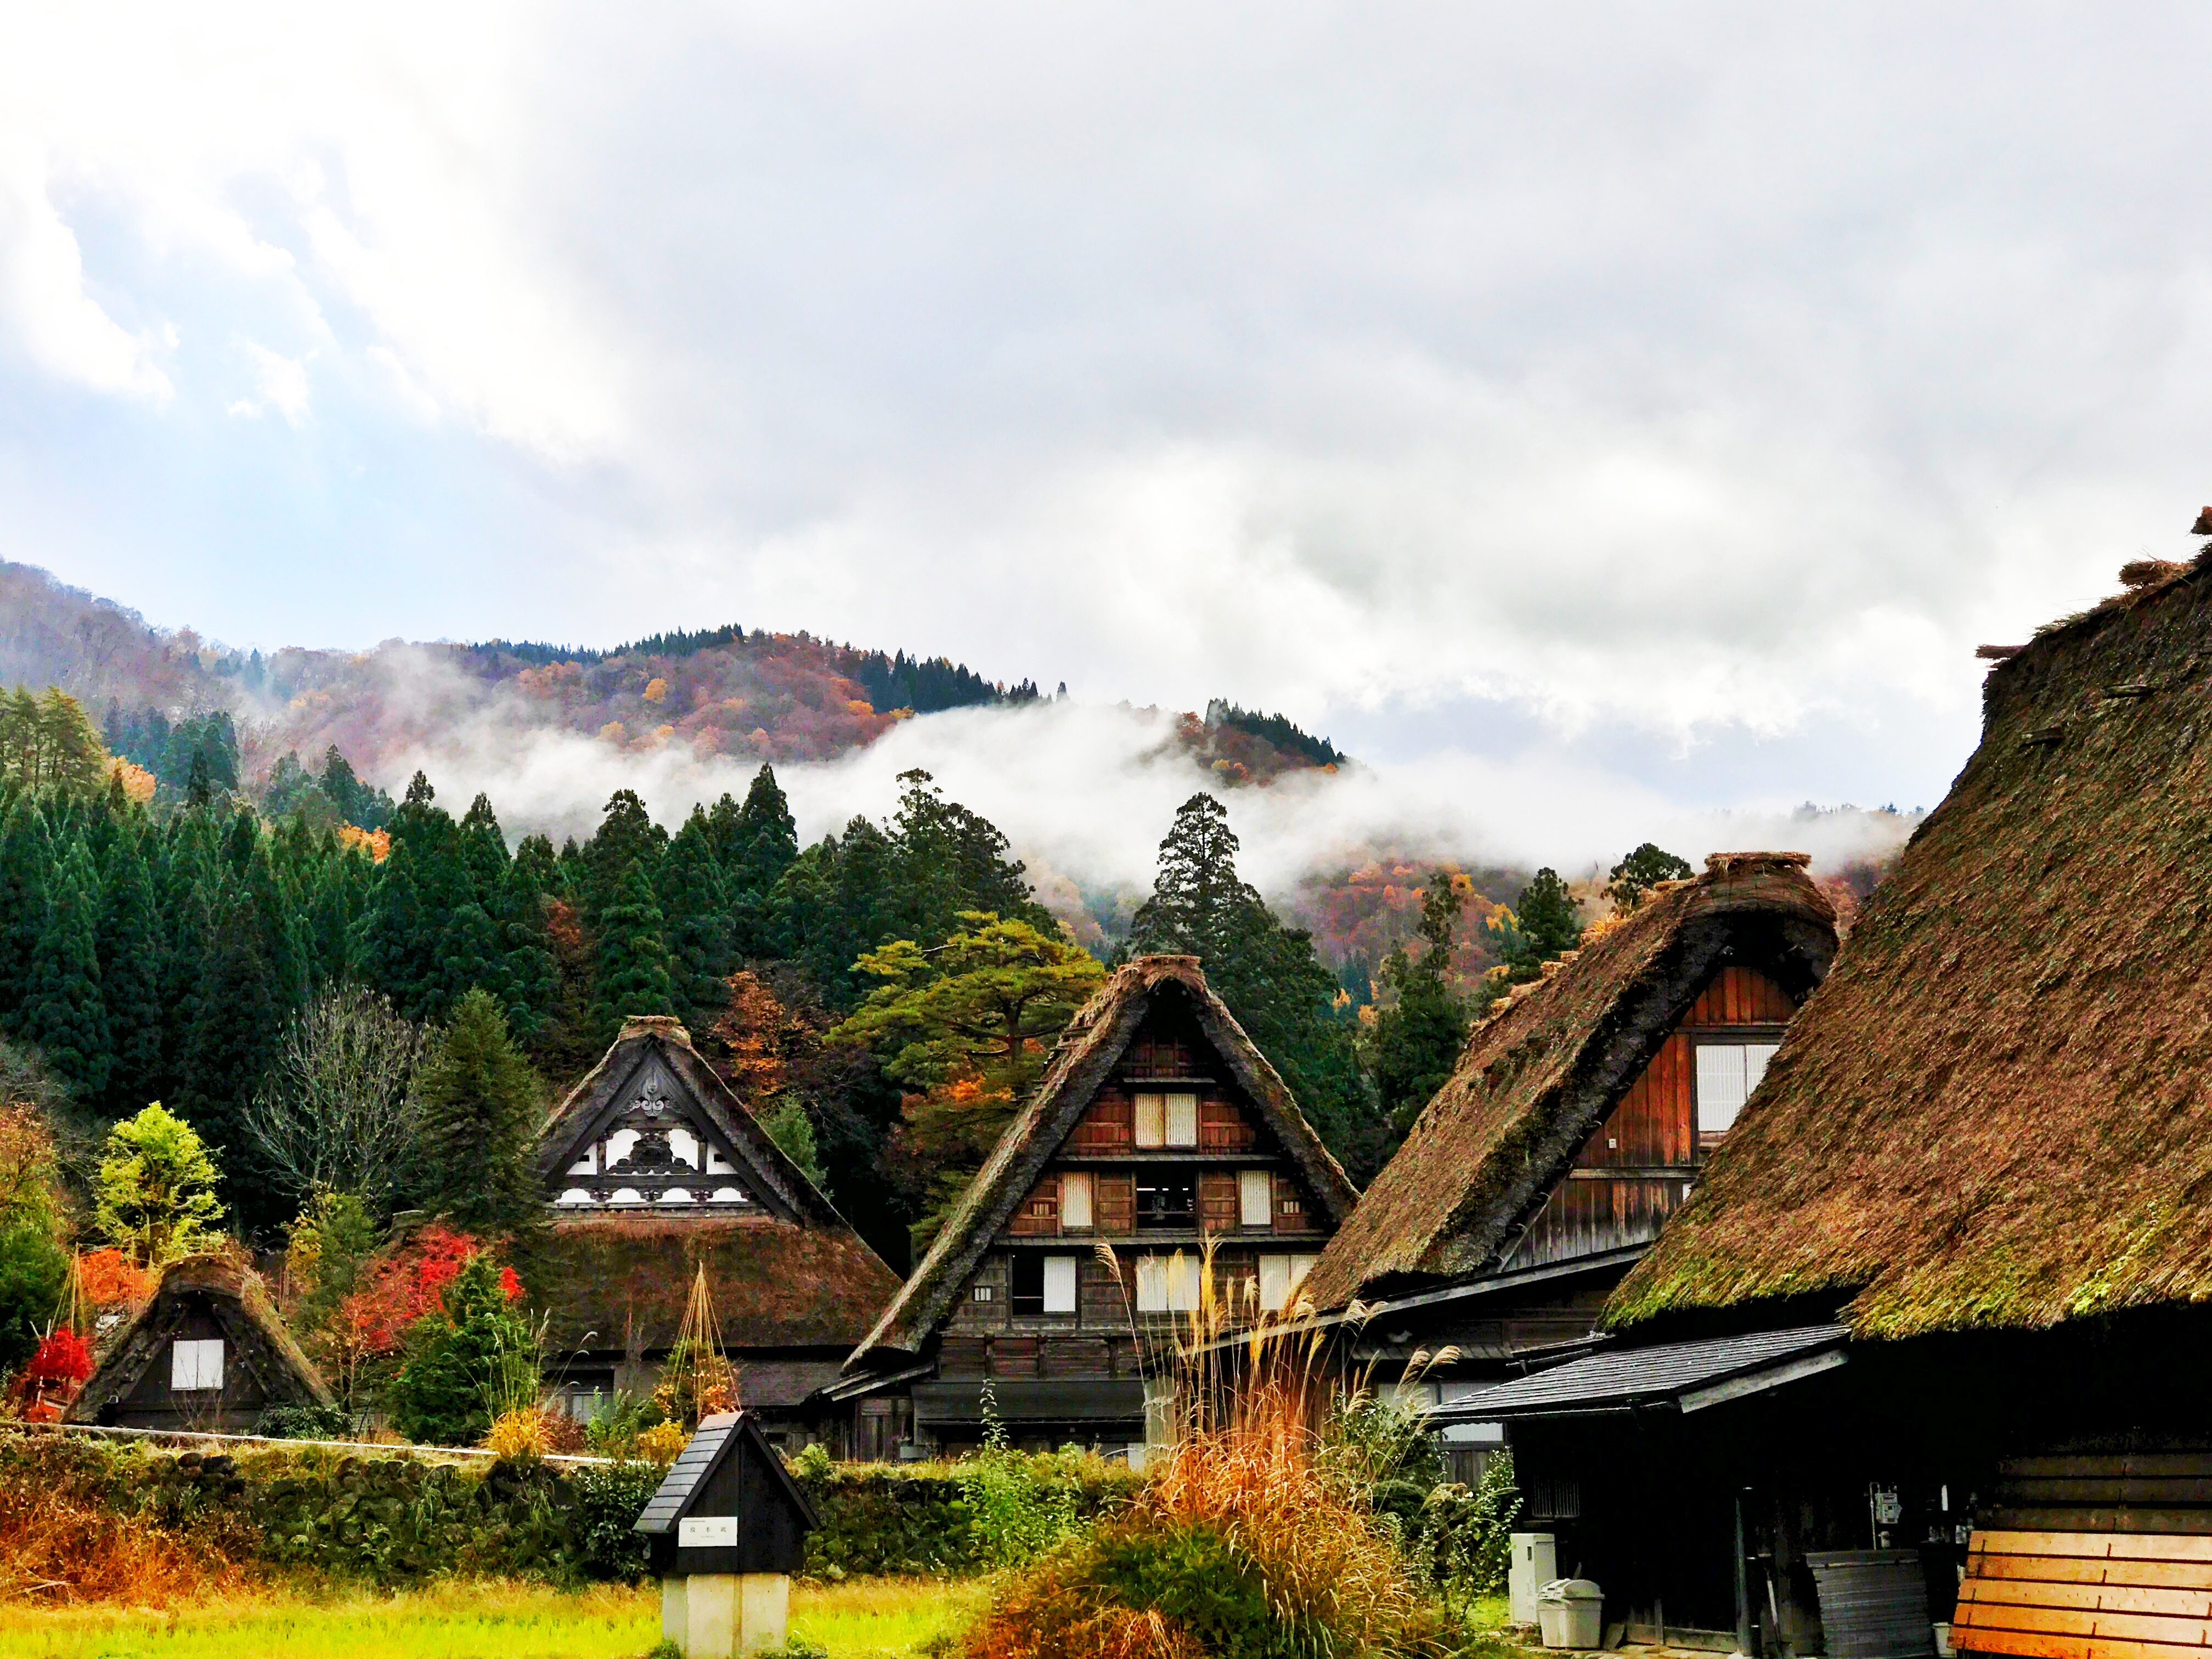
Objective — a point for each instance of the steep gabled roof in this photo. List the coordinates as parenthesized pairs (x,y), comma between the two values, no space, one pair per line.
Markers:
(1536,1080)
(651,1046)
(1088,1051)
(240,1305)
(1998,1112)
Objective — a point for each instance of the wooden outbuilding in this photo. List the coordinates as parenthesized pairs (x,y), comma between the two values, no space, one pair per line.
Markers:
(654,1169)
(1973,1200)
(1158,1129)
(208,1352)
(1579,1117)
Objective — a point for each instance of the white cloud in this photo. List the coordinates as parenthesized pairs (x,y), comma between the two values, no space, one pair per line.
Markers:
(43,300)
(281,381)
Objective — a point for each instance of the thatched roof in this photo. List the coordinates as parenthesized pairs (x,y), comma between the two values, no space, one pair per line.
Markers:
(260,1340)
(620,1282)
(1998,1112)
(1537,1078)
(1087,1053)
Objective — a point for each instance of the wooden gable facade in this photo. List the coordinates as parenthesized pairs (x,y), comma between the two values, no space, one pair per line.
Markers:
(654,1169)
(1158,1131)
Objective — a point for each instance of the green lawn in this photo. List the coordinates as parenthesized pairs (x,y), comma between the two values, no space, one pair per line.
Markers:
(867,1620)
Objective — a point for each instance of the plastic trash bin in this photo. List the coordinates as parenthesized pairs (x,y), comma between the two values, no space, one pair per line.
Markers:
(1571,1612)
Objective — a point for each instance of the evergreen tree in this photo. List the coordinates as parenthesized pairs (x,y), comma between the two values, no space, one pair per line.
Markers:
(1548,918)
(693,901)
(234,1035)
(484,850)
(468,1362)
(26,858)
(480,1116)
(1635,876)
(520,911)
(1417,1038)
(754,844)
(834,904)
(64,1015)
(626,835)
(1267,973)
(154,1193)
(634,976)
(131,952)
(951,861)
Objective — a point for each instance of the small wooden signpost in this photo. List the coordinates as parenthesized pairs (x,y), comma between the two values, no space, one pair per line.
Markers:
(725,1531)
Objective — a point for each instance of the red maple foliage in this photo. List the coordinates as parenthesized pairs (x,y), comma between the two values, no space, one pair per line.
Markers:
(65,1357)
(409,1283)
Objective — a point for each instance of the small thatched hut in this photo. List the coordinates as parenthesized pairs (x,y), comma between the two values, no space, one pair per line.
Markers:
(1936,1312)
(207,1352)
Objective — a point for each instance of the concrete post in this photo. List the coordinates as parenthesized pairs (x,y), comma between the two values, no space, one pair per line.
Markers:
(720,1615)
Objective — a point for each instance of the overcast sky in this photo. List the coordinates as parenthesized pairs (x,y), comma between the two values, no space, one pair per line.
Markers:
(1679,393)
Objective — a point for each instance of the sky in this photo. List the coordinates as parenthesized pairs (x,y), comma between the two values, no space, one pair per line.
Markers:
(1614,410)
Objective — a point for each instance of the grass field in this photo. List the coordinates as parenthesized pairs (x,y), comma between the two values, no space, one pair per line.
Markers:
(875,1619)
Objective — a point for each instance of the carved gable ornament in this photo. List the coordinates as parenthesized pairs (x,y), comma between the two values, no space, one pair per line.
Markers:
(656,1148)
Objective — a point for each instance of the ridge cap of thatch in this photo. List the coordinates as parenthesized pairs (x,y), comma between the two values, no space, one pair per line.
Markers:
(1094,1040)
(1536,1079)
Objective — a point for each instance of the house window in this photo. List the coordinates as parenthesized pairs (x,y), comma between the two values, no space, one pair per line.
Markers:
(1279,1279)
(1043,1284)
(1291,1207)
(1167,1283)
(1075,1192)
(1166,1198)
(983,1292)
(1182,1120)
(196,1366)
(1727,1073)
(1151,1119)
(1255,1192)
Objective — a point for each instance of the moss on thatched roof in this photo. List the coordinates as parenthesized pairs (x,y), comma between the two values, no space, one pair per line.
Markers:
(1537,1078)
(1998,1112)
(620,1282)
(1086,1055)
(240,1301)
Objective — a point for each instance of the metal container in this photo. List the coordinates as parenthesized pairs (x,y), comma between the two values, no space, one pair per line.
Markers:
(1535,1564)
(1873,1604)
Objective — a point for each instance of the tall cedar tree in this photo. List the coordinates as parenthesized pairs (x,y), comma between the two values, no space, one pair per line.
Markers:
(754,844)
(234,1035)
(27,860)
(519,908)
(1548,919)
(1417,1038)
(1267,973)
(131,954)
(632,954)
(693,899)
(64,1017)
(480,1111)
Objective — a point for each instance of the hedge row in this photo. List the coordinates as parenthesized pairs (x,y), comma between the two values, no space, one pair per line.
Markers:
(915,1517)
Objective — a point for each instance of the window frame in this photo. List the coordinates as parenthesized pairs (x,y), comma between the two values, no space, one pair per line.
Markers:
(189,1359)
(1740,1042)
(1078,1198)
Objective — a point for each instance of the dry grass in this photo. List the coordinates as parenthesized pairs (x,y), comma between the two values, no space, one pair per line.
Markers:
(62,1545)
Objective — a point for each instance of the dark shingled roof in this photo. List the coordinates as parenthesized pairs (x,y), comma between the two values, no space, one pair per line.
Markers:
(1998,1112)
(1660,1375)
(241,1303)
(1537,1078)
(715,1438)
(1087,1053)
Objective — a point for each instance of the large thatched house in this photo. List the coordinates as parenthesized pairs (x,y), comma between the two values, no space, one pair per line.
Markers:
(1579,1117)
(653,1169)
(1932,1328)
(206,1353)
(1157,1129)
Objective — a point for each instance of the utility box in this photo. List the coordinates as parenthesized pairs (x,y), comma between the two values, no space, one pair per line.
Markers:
(724,1532)
(1535,1564)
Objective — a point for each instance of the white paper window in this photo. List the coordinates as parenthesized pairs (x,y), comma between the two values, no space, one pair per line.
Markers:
(1060,1283)
(1167,1283)
(1182,1120)
(1279,1279)
(1075,1198)
(195,1367)
(1727,1073)
(1255,1197)
(1151,1119)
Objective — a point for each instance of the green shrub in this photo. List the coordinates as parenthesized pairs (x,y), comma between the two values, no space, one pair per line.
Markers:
(885,1518)
(466,1363)
(309,1422)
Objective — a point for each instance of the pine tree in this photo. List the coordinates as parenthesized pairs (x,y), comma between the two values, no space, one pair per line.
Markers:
(1548,918)
(634,976)
(950,860)
(754,844)
(234,1032)
(26,856)
(1635,876)
(131,964)
(480,1114)
(64,1015)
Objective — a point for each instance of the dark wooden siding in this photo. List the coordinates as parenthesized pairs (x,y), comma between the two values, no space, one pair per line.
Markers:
(1741,996)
